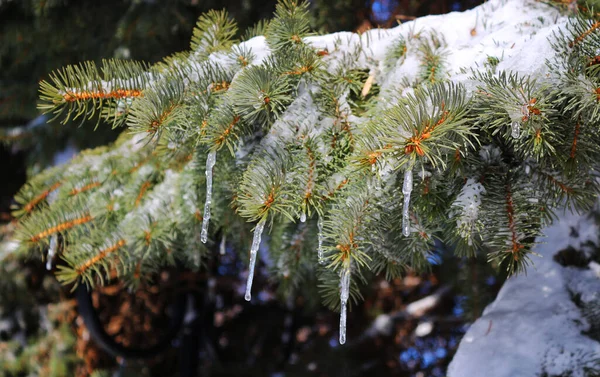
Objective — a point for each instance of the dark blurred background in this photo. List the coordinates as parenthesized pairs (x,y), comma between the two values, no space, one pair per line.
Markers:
(387,336)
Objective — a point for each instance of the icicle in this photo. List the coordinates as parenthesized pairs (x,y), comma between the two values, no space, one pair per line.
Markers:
(303,217)
(210,163)
(472,213)
(406,190)
(320,248)
(51,252)
(253,251)
(54,239)
(515,129)
(222,245)
(344,295)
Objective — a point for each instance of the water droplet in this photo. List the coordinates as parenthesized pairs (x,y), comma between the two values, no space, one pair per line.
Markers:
(303,217)
(515,129)
(260,101)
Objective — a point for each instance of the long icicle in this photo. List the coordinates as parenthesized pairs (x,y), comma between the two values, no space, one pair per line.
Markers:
(253,251)
(344,295)
(320,240)
(407,187)
(210,163)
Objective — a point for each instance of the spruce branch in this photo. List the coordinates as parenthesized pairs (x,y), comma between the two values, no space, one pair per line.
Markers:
(396,54)
(432,59)
(292,249)
(511,236)
(289,26)
(430,124)
(576,192)
(30,196)
(36,230)
(264,192)
(241,55)
(161,106)
(214,31)
(377,172)
(90,260)
(581,95)
(225,127)
(80,91)
(258,94)
(258,29)
(345,226)
(520,111)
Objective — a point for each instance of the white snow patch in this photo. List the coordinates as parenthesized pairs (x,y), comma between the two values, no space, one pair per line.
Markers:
(258,47)
(466,207)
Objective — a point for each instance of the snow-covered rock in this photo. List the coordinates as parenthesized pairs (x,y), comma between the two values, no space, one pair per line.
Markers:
(534,327)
